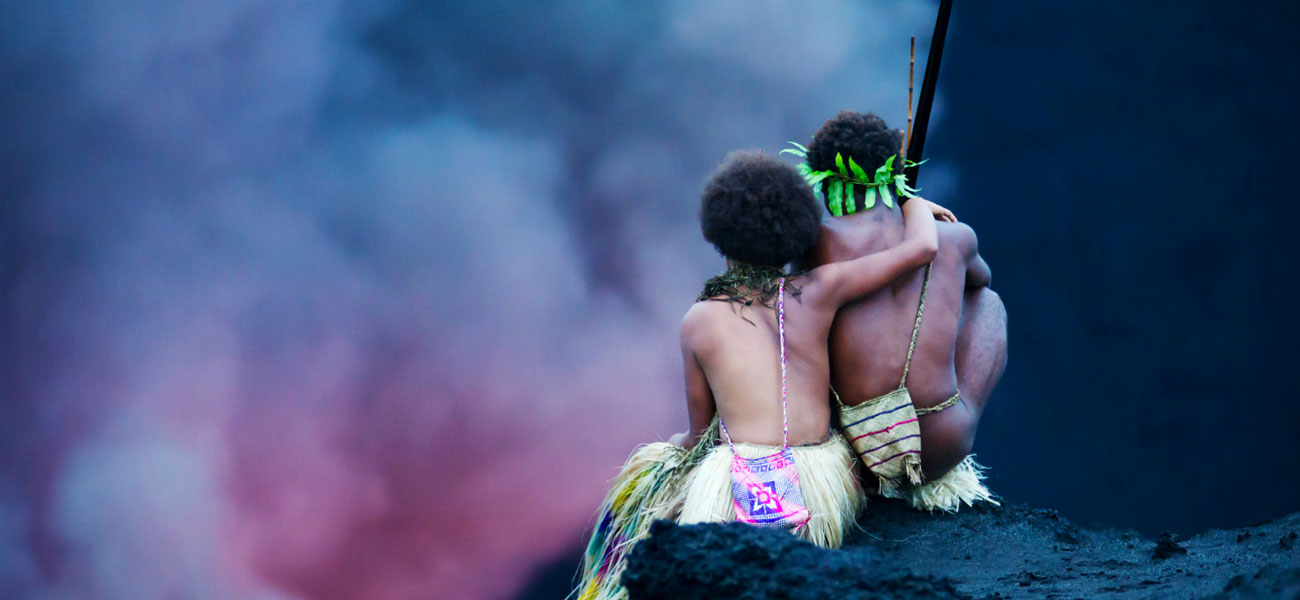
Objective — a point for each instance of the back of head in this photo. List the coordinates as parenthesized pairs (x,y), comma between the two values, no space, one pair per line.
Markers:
(862,136)
(759,210)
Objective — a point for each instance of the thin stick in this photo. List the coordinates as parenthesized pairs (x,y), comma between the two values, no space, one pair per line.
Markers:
(916,141)
(907,137)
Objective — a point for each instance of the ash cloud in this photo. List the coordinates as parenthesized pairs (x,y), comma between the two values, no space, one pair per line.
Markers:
(336,300)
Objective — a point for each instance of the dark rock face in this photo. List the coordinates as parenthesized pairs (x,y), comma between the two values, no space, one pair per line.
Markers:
(1272,581)
(1167,546)
(987,552)
(739,561)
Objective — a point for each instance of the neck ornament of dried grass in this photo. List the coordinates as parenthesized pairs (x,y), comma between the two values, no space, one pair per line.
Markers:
(744,283)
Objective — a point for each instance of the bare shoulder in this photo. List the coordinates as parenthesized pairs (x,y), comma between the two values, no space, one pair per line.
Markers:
(695,316)
(959,235)
(701,318)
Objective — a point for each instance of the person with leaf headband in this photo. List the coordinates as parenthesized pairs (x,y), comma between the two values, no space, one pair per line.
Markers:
(913,435)
(759,448)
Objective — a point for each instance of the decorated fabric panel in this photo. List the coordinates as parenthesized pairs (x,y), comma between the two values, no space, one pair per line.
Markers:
(885,434)
(766,491)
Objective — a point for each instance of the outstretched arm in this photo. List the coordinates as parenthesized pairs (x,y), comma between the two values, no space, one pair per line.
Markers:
(843,282)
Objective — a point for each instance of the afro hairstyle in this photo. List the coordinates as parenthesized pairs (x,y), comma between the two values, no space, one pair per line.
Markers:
(759,210)
(863,136)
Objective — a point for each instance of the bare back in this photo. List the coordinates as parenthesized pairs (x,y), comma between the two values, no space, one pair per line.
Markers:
(731,350)
(738,349)
(869,338)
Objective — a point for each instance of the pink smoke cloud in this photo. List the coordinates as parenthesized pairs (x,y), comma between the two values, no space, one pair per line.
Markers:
(272,352)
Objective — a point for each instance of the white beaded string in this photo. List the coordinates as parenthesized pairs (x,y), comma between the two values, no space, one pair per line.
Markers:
(780,325)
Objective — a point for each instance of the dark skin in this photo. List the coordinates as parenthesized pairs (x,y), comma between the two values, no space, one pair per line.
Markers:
(731,353)
(962,341)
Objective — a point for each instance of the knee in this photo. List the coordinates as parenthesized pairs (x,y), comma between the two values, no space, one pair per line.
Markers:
(988,304)
(987,316)
(994,304)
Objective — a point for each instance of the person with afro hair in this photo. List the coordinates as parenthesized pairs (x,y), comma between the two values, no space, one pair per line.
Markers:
(757,377)
(759,211)
(957,350)
(754,344)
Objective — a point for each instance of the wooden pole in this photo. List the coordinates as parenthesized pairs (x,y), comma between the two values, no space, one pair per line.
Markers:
(911,73)
(916,140)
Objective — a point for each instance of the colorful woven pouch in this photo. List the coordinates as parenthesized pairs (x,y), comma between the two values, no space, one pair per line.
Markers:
(766,491)
(884,430)
(885,433)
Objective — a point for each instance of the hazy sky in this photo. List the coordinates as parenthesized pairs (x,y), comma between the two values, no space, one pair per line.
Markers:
(366,299)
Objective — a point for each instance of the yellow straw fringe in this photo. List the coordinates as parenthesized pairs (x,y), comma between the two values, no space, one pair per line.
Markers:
(830,489)
(663,481)
(646,489)
(962,485)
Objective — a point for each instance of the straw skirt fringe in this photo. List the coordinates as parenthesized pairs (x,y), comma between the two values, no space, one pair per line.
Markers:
(830,489)
(962,485)
(647,488)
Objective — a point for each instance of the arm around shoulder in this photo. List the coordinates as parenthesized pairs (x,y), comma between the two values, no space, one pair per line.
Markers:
(844,282)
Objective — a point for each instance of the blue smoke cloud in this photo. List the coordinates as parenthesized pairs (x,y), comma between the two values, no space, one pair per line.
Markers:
(335,299)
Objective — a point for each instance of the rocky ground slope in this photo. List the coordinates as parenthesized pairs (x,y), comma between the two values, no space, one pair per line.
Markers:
(1011,552)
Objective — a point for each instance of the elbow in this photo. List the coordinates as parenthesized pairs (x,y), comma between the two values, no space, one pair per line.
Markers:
(978,274)
(925,250)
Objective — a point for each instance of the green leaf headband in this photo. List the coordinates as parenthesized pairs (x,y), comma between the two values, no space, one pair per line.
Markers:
(839,187)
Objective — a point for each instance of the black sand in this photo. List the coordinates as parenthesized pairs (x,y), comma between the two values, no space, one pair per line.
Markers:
(1012,552)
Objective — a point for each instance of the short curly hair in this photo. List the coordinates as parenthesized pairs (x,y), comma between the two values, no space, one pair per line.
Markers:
(863,136)
(759,210)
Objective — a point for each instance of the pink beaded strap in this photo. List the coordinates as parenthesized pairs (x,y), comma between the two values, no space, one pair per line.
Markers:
(780,327)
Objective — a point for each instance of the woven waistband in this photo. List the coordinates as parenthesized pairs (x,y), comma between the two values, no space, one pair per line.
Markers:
(832,437)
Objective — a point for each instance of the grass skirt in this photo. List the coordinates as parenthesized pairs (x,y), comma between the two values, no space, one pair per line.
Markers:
(648,487)
(830,488)
(663,481)
(962,485)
